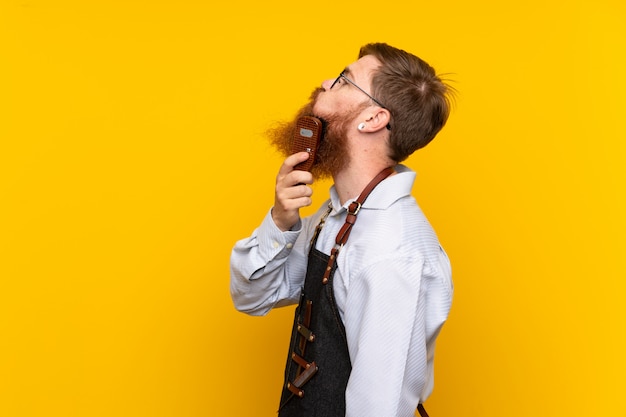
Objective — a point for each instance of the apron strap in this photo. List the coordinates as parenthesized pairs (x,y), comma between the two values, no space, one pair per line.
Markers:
(353,210)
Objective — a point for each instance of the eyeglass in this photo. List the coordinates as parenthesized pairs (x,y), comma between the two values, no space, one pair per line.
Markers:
(343,75)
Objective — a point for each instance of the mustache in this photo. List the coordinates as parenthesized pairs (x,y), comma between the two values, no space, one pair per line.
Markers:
(316,92)
(307,109)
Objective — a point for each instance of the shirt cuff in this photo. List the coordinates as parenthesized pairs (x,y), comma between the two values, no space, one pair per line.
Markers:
(273,242)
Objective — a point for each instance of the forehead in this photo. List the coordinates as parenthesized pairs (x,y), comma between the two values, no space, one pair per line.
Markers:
(363,69)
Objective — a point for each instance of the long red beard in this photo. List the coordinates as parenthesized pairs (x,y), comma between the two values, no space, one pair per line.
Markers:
(332,154)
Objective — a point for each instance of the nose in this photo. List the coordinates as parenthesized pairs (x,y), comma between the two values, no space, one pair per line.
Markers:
(327,83)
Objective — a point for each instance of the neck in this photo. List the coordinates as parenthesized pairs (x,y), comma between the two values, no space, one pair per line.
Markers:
(351,181)
(368,157)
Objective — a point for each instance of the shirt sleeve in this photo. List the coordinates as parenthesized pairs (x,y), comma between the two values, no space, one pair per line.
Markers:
(386,338)
(265,269)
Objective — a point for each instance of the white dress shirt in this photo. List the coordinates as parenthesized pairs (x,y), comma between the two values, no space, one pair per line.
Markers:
(392,285)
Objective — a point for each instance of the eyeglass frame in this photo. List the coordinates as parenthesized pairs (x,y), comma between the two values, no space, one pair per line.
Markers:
(343,75)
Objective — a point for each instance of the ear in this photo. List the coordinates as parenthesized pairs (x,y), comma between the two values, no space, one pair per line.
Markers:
(378,120)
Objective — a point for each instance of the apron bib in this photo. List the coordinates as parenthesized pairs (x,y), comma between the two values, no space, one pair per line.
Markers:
(318,365)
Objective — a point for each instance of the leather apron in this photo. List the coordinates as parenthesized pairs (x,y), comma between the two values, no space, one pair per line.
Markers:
(318,365)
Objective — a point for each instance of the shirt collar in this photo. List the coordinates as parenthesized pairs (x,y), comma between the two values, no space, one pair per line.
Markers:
(384,195)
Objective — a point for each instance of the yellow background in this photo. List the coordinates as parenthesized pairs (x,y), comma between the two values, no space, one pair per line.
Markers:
(132,157)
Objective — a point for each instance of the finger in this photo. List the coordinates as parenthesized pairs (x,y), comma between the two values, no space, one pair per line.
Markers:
(292,161)
(285,195)
(298,177)
(292,204)
(294,192)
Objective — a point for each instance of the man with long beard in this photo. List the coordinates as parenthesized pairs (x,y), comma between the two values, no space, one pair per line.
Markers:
(372,295)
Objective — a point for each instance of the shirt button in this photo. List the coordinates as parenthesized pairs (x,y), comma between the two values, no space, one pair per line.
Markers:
(289,245)
(275,244)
